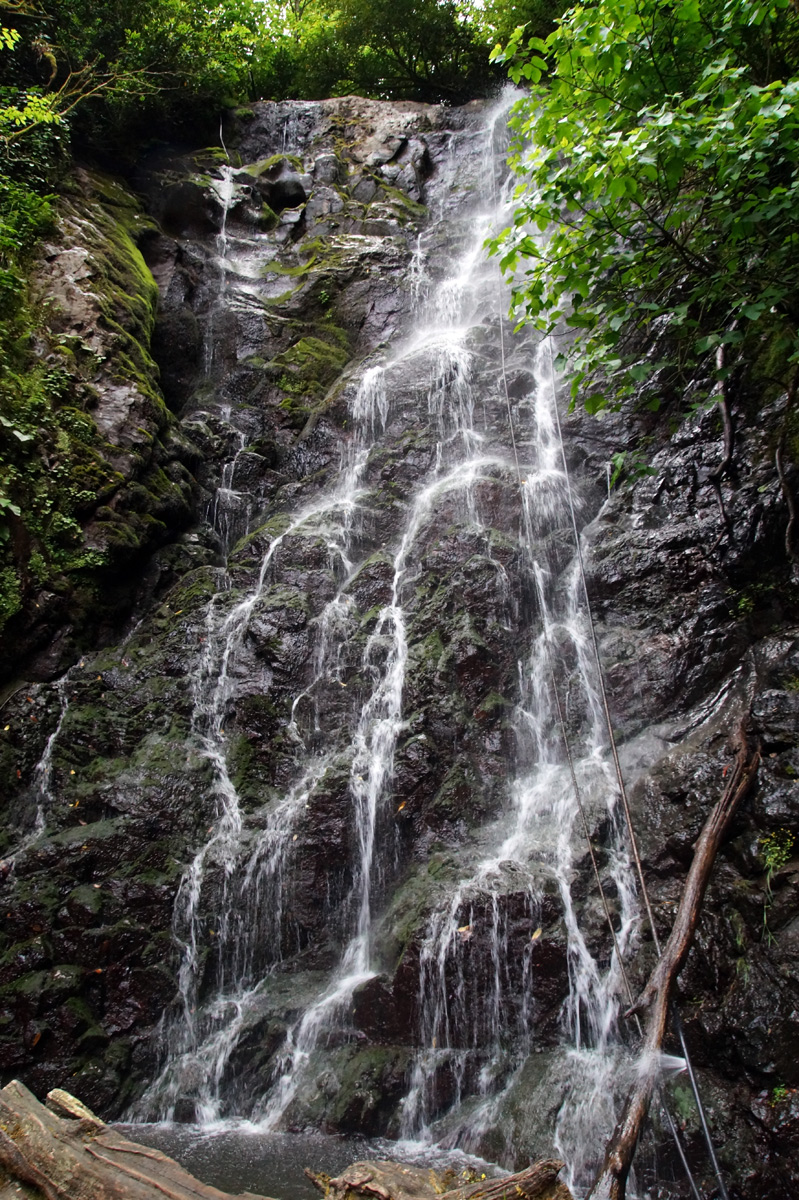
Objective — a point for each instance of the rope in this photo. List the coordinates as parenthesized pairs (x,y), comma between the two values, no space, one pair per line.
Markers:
(614,752)
(623,791)
(695,1088)
(570,758)
(600,674)
(222,140)
(622,968)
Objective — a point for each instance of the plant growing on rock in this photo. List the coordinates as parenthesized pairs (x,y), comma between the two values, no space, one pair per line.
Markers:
(776,849)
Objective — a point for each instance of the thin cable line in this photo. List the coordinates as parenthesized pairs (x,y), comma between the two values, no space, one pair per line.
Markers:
(617,764)
(622,968)
(623,789)
(600,674)
(578,796)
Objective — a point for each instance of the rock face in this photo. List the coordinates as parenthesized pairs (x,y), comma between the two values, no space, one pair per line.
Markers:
(129,488)
(302,844)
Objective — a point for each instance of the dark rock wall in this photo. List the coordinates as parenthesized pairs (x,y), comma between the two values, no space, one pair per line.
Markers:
(279,284)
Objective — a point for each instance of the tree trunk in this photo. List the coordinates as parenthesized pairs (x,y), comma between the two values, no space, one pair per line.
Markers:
(66,1153)
(611,1183)
(393,1181)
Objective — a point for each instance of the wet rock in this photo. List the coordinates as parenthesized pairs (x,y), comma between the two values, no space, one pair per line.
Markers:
(258,638)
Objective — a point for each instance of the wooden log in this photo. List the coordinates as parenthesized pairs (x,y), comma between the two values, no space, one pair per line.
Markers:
(537,1182)
(385,1180)
(78,1157)
(611,1183)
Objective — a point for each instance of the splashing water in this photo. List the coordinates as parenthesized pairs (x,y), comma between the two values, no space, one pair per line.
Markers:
(472,1045)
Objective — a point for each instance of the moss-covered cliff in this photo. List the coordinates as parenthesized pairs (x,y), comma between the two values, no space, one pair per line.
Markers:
(289,276)
(92,480)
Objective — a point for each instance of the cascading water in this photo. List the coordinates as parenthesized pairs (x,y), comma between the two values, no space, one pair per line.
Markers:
(233,894)
(306,849)
(249,933)
(42,780)
(464,1033)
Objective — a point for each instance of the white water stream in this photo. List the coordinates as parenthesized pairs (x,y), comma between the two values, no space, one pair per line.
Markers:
(233,889)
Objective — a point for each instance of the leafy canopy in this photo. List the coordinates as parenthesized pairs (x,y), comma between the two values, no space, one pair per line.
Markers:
(658,154)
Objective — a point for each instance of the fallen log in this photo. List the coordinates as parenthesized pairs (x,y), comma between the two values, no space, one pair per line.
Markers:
(537,1182)
(611,1183)
(385,1180)
(64,1152)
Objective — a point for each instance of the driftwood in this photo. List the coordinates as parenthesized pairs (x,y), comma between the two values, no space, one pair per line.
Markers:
(655,999)
(65,1152)
(383,1180)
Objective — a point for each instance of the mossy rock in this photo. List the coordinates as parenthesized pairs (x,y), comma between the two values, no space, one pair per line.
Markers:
(308,368)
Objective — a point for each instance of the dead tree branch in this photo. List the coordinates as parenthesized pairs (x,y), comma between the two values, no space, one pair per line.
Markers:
(654,1001)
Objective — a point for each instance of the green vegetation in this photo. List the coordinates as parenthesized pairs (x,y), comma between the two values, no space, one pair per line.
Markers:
(659,199)
(776,849)
(122,68)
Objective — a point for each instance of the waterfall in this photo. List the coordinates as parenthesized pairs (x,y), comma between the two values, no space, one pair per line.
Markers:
(42,787)
(349,716)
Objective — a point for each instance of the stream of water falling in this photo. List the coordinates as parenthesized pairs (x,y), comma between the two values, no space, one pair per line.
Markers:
(42,786)
(234,885)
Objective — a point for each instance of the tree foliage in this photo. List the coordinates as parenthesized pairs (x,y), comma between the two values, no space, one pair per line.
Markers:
(658,154)
(420,49)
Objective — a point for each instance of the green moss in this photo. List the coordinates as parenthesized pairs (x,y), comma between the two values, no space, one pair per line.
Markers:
(428,652)
(308,369)
(265,164)
(276,267)
(241,758)
(452,800)
(412,900)
(268,218)
(493,704)
(194,590)
(405,207)
(59,469)
(88,898)
(213,156)
(97,831)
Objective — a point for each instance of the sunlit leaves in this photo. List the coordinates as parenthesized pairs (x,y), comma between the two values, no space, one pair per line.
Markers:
(660,159)
(8,38)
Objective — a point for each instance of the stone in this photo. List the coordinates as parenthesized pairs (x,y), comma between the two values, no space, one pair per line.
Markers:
(237,418)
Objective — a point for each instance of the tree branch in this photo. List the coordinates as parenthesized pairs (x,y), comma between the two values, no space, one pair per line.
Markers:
(655,998)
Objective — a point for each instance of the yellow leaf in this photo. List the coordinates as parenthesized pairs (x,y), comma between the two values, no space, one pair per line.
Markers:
(536,935)
(402,806)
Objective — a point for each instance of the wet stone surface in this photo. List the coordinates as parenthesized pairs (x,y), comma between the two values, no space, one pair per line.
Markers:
(186,809)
